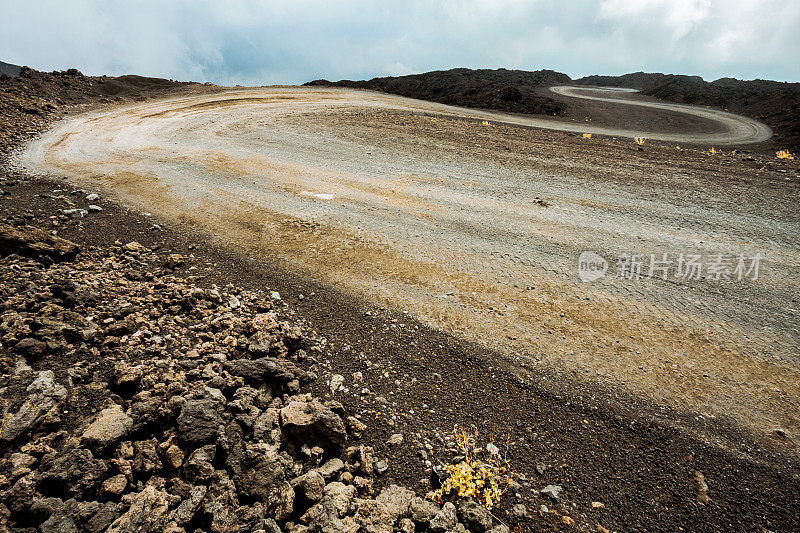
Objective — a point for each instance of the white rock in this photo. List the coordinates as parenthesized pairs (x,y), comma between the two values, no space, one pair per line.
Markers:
(337,380)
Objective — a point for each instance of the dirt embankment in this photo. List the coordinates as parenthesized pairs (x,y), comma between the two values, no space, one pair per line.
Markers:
(32,99)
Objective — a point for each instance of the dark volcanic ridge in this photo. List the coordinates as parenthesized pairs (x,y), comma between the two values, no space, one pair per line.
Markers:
(515,91)
(775,103)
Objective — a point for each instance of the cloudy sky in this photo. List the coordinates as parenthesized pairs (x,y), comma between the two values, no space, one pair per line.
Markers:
(293,41)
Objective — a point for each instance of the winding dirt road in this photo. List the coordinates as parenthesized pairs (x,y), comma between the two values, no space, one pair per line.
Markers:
(477,228)
(735,129)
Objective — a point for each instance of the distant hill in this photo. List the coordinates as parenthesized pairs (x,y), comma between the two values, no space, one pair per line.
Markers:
(516,91)
(634,80)
(8,68)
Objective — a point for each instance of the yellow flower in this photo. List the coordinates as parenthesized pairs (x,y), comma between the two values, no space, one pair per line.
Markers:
(473,479)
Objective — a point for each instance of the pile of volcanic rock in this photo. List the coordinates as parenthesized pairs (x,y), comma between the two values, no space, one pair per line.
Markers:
(134,400)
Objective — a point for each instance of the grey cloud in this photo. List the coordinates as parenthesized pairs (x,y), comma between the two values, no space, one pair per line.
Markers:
(283,41)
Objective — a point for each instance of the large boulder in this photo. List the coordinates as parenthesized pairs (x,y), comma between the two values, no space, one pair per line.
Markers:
(199,421)
(257,371)
(199,466)
(45,396)
(422,510)
(343,496)
(189,506)
(310,486)
(59,523)
(147,513)
(323,517)
(263,476)
(397,501)
(312,423)
(475,517)
(374,517)
(110,425)
(331,468)
(445,520)
(77,470)
(35,243)
(104,517)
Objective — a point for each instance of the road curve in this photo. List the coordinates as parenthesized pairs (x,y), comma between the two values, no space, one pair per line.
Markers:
(737,129)
(477,229)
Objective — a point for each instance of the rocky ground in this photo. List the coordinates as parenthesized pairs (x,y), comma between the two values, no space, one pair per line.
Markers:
(165,406)
(136,400)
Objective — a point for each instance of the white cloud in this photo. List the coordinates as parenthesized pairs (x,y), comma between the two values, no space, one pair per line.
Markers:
(291,41)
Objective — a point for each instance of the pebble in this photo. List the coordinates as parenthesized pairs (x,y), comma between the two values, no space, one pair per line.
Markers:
(553,491)
(395,439)
(380,467)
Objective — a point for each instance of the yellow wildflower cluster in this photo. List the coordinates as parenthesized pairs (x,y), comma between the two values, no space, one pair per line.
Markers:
(639,140)
(784,154)
(485,122)
(484,481)
(712,150)
(587,135)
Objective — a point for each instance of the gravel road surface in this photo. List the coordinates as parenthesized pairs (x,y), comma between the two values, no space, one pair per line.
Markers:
(477,228)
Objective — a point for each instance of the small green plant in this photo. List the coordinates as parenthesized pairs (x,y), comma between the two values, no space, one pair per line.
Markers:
(484,481)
